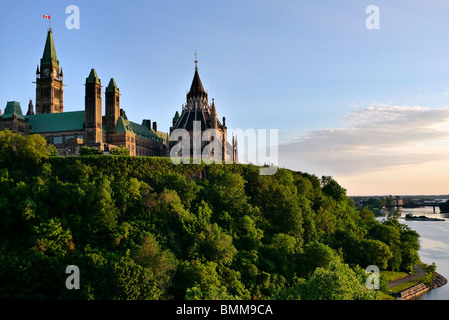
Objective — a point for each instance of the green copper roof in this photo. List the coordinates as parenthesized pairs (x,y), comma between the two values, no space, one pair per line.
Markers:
(176,117)
(141,131)
(111,86)
(162,135)
(93,78)
(13,108)
(123,125)
(56,122)
(49,56)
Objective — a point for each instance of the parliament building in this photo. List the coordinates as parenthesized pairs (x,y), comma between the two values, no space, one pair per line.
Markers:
(69,131)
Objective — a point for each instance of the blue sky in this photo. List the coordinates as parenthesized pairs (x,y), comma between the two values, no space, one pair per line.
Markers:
(310,69)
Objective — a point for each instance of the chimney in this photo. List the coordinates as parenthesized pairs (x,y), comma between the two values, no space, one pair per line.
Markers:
(155,126)
(147,123)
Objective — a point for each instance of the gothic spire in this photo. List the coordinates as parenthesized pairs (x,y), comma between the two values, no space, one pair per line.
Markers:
(30,108)
(49,56)
(196,89)
(213,114)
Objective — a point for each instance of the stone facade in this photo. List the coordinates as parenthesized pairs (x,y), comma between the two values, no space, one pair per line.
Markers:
(199,118)
(69,131)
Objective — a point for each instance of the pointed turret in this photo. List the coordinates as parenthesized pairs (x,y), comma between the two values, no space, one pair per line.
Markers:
(213,115)
(49,57)
(196,88)
(30,108)
(175,118)
(112,106)
(93,77)
(13,110)
(112,86)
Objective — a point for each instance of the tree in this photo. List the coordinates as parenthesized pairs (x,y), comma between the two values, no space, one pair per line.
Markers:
(374,252)
(161,262)
(23,156)
(119,151)
(249,236)
(50,238)
(281,250)
(368,219)
(88,151)
(195,274)
(409,247)
(315,255)
(214,245)
(144,228)
(444,207)
(337,282)
(282,210)
(101,214)
(131,281)
(332,189)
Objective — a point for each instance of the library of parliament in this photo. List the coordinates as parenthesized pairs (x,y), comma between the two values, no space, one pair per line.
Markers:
(69,131)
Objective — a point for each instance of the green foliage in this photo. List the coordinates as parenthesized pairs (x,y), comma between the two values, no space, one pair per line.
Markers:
(315,255)
(144,228)
(119,151)
(444,207)
(50,238)
(88,151)
(337,282)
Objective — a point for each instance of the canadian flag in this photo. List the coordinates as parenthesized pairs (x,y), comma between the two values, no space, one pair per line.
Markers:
(46,17)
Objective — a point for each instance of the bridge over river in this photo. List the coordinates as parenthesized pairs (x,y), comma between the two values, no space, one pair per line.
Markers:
(416,205)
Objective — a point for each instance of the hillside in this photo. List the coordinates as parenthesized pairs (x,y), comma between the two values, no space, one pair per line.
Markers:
(144,228)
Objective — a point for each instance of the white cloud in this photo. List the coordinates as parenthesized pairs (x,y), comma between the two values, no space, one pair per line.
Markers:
(372,139)
(446,92)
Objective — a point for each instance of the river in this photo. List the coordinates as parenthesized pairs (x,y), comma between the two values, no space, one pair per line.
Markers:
(434,240)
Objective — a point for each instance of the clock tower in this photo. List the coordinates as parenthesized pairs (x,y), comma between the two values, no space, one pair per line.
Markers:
(49,83)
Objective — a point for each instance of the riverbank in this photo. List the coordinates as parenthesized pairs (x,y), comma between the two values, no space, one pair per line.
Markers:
(421,288)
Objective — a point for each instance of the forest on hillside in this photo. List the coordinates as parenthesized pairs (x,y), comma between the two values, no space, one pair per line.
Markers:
(145,228)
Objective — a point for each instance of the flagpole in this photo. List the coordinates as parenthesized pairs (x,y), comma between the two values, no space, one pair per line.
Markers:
(49,20)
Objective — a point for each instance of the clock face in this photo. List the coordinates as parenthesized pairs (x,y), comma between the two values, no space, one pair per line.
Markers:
(46,72)
(55,74)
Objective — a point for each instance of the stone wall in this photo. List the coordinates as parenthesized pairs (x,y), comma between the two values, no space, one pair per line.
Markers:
(412,292)
(421,288)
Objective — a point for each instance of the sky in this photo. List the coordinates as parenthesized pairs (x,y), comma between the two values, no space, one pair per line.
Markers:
(369,107)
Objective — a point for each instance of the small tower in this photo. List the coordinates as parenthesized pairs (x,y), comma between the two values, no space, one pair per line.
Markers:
(175,118)
(30,108)
(93,110)
(197,96)
(213,115)
(49,84)
(112,106)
